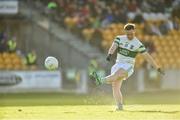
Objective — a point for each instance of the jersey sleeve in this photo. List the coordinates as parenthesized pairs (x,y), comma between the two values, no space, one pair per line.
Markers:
(141,48)
(117,40)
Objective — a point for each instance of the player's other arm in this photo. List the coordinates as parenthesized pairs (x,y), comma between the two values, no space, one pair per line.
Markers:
(150,60)
(112,49)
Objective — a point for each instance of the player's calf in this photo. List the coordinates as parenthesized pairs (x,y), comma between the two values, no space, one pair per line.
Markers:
(117,94)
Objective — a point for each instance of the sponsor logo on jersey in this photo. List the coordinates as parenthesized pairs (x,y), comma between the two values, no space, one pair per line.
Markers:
(124,52)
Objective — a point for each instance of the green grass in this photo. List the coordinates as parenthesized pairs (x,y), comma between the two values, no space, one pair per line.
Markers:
(55,106)
(91,112)
(32,99)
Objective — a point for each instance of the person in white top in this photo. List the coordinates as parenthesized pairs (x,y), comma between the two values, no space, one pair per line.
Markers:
(128,46)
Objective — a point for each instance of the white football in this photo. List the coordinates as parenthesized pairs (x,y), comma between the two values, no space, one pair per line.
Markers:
(51,63)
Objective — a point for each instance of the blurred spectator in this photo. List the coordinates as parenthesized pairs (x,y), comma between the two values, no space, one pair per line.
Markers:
(176,3)
(151,28)
(147,28)
(70,22)
(105,22)
(175,12)
(160,6)
(11,43)
(107,17)
(95,22)
(176,23)
(155,29)
(3,35)
(31,60)
(176,8)
(50,9)
(3,38)
(120,16)
(145,6)
(3,46)
(163,27)
(138,18)
(169,24)
(52,5)
(131,5)
(85,11)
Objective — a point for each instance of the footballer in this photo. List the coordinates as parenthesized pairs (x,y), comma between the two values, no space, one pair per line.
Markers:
(128,46)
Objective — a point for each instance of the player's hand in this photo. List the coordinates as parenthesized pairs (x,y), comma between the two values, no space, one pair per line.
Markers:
(161,71)
(108,58)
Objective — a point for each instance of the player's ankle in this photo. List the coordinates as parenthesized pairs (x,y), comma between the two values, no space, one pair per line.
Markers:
(103,80)
(120,106)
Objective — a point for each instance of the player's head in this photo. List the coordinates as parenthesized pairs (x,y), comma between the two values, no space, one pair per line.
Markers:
(129,29)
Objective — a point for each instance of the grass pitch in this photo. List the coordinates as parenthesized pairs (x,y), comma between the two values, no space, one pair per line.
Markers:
(91,112)
(54,106)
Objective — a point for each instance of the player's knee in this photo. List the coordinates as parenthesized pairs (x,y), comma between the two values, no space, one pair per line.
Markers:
(116,85)
(120,74)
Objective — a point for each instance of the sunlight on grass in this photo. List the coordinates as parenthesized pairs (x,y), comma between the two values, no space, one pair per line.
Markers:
(91,112)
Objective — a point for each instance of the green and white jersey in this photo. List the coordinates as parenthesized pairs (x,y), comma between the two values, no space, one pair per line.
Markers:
(128,49)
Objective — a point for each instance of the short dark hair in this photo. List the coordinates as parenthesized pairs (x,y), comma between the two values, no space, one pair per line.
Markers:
(129,26)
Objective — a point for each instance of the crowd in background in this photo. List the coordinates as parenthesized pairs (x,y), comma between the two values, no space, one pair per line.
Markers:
(8,45)
(100,13)
(77,15)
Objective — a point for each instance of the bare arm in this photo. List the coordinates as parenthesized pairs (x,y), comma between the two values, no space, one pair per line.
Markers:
(112,49)
(150,60)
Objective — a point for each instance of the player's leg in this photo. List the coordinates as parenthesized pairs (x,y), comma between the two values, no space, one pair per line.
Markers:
(116,85)
(116,79)
(120,74)
(116,73)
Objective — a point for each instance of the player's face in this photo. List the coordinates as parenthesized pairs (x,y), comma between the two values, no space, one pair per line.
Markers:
(130,34)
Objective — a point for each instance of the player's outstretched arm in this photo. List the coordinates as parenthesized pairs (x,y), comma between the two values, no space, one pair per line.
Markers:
(150,60)
(112,49)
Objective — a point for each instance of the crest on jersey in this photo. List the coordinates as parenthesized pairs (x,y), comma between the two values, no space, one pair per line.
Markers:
(126,45)
(132,46)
